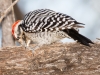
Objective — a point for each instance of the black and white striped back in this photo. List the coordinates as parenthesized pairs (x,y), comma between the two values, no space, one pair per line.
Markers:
(47,20)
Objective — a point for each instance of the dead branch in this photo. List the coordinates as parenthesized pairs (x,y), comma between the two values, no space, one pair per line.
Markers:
(7,10)
(56,59)
(98,38)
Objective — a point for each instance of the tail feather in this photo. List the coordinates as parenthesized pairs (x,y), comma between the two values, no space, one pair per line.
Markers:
(76,36)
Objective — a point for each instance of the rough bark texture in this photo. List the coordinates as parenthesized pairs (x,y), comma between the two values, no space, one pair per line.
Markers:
(56,59)
(6,24)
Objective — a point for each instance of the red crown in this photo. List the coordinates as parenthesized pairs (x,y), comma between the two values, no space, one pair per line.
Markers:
(14,25)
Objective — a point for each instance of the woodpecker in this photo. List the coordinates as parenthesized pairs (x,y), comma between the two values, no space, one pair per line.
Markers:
(45,26)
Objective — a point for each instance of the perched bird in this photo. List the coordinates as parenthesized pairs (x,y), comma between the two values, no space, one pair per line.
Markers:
(45,26)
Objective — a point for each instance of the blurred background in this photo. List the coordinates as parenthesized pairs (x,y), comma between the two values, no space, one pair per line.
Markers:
(84,11)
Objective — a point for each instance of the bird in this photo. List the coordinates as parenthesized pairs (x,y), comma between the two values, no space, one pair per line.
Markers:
(46,26)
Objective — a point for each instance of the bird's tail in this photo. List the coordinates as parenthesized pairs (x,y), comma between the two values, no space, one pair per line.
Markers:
(76,36)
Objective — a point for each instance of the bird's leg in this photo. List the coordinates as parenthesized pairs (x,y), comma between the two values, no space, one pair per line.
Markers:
(24,41)
(28,44)
(21,42)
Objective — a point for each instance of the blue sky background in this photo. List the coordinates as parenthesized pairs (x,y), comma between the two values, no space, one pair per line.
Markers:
(85,11)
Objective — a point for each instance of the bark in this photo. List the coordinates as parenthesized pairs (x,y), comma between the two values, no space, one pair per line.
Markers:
(7,39)
(55,59)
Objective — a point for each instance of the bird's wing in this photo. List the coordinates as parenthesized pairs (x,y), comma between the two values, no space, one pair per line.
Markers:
(48,20)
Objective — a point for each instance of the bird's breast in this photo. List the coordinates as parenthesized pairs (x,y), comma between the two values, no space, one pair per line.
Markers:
(46,37)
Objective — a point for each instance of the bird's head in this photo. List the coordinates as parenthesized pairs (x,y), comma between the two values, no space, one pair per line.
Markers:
(17,30)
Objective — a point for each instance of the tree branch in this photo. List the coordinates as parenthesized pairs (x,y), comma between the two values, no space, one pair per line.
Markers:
(55,59)
(7,10)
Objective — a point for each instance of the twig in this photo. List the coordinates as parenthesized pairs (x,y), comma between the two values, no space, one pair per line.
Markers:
(98,38)
(7,10)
